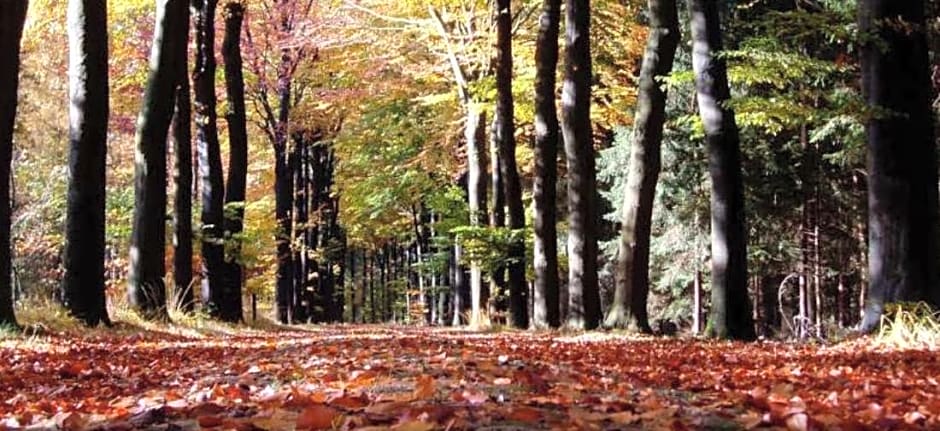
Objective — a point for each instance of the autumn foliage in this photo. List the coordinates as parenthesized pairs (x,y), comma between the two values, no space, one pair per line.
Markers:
(404,378)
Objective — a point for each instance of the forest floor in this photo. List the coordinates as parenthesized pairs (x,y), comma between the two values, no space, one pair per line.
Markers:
(409,378)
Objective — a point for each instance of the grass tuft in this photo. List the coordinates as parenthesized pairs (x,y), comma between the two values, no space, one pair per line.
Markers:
(910,325)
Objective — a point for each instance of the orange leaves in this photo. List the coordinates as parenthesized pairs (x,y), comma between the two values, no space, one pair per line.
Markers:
(417,379)
(424,388)
(317,417)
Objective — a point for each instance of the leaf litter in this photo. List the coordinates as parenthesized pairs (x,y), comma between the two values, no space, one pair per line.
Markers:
(415,379)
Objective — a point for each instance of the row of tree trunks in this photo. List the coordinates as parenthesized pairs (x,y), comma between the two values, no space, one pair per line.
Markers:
(12,18)
(83,286)
(318,241)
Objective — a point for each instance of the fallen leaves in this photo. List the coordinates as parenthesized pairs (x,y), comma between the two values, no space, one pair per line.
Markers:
(418,379)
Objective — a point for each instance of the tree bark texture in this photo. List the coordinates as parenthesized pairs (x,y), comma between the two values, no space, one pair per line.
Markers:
(902,159)
(633,253)
(730,315)
(504,128)
(146,287)
(83,286)
(12,18)
(584,304)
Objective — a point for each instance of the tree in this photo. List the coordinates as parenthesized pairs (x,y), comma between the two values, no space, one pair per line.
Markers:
(210,159)
(83,286)
(12,17)
(183,178)
(146,288)
(731,309)
(504,129)
(633,253)
(238,161)
(584,304)
(902,159)
(546,312)
(475,130)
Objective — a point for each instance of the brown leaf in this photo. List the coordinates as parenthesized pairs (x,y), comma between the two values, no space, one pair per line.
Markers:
(424,388)
(317,417)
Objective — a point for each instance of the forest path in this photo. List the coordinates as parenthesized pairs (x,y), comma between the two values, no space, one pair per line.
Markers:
(410,378)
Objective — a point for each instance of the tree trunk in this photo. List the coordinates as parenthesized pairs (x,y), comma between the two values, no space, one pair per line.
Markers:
(545,313)
(146,288)
(237,162)
(12,18)
(633,253)
(492,296)
(210,159)
(584,303)
(83,286)
(902,159)
(731,309)
(475,132)
(505,128)
(183,177)
(301,297)
(283,195)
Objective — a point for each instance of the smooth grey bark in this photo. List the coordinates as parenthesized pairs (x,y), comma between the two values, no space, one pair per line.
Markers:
(504,129)
(475,132)
(545,310)
(146,287)
(236,185)
(183,178)
(210,159)
(584,303)
(730,315)
(632,272)
(12,18)
(902,158)
(83,286)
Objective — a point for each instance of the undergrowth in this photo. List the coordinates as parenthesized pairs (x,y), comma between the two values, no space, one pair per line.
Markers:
(910,325)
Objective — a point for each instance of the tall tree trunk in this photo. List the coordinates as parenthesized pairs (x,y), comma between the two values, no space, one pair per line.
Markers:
(491,297)
(633,253)
(301,296)
(83,285)
(584,303)
(902,159)
(283,194)
(237,162)
(183,177)
(546,311)
(146,288)
(210,159)
(731,308)
(504,126)
(12,18)
(475,132)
